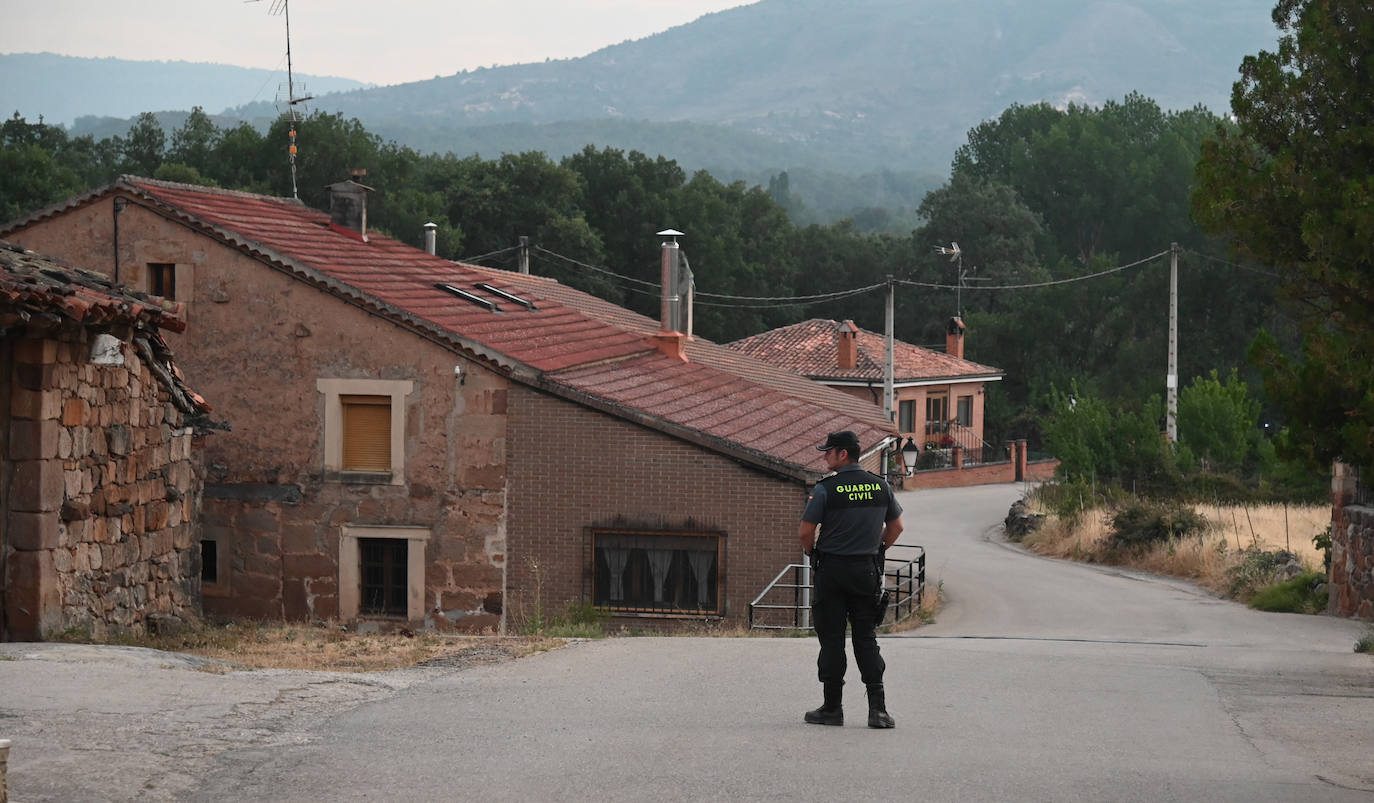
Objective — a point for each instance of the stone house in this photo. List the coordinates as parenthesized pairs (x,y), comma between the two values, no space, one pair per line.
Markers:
(99,496)
(450,446)
(938,397)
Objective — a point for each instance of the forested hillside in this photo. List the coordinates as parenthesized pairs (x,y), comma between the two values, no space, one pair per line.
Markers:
(1037,196)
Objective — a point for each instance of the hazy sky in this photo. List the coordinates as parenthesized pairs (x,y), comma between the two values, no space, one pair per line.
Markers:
(375,41)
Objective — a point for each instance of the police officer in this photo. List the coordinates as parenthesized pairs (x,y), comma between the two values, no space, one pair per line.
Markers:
(859,518)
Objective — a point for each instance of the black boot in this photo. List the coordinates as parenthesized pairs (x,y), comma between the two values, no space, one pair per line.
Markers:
(877,708)
(831,711)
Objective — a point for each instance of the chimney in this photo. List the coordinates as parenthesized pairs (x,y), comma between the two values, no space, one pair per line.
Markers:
(348,203)
(430,229)
(954,337)
(847,345)
(671,340)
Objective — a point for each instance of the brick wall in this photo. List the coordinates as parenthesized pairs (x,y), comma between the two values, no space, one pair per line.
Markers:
(573,469)
(103,495)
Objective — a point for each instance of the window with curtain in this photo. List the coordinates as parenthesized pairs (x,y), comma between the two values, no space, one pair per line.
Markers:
(646,572)
(965,414)
(366,433)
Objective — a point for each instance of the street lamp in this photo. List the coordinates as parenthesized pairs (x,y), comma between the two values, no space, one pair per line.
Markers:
(910,451)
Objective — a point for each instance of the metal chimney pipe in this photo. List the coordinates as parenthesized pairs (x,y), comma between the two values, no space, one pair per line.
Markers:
(670,306)
(431,230)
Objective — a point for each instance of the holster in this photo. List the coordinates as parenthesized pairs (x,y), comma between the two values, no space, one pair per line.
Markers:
(882,597)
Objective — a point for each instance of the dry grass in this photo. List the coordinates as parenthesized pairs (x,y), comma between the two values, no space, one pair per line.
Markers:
(1207,559)
(330,648)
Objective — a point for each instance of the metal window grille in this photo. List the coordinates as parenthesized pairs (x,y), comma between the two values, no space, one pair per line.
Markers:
(383,576)
(657,573)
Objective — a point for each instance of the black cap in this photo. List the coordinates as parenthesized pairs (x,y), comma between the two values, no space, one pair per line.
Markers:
(841,440)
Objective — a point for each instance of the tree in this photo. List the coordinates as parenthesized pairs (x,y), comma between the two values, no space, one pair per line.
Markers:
(145,146)
(193,144)
(1292,188)
(1217,420)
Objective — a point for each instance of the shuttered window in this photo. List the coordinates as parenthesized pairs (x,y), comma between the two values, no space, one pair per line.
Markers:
(162,279)
(366,433)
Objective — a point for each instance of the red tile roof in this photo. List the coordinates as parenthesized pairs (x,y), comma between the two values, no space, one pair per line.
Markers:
(810,348)
(699,350)
(569,343)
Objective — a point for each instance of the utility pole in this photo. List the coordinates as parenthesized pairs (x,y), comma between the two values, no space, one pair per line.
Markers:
(888,380)
(1171,379)
(524,254)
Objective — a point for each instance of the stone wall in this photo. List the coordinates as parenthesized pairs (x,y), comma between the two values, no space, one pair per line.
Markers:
(99,530)
(1352,564)
(258,342)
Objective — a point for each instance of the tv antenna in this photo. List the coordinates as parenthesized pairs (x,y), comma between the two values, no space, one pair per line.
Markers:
(956,255)
(283,7)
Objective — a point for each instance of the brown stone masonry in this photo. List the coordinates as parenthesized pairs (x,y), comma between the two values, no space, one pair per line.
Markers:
(99,533)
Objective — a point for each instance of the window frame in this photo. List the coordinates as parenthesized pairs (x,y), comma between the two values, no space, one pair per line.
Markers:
(906,415)
(350,569)
(959,409)
(718,612)
(333,390)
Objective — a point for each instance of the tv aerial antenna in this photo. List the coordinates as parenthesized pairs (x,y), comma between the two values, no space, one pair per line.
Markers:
(956,255)
(291,100)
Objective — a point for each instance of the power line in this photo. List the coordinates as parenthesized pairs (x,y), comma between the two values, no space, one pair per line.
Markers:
(489,255)
(539,250)
(1231,264)
(1085,277)
(763,302)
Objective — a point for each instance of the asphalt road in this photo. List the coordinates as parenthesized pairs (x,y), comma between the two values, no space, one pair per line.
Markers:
(1041,680)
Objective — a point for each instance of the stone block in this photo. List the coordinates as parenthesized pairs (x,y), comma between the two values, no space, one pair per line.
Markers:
(33,531)
(34,439)
(258,586)
(35,404)
(295,604)
(299,537)
(32,596)
(73,413)
(37,486)
(308,566)
(35,350)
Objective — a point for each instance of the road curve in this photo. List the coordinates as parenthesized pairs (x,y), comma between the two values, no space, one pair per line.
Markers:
(1041,680)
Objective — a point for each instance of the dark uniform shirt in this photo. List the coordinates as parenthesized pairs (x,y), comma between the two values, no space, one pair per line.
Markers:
(851,506)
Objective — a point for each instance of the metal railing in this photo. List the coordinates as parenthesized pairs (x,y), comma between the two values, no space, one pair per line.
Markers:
(785,603)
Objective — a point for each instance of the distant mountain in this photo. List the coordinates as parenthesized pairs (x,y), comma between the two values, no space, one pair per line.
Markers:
(880,91)
(62,88)
(850,86)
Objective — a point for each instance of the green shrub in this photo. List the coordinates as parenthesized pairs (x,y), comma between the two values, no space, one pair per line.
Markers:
(1145,523)
(1255,570)
(576,620)
(1299,595)
(1366,642)
(1322,541)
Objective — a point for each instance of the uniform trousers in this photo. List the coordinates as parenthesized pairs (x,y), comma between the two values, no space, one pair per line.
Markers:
(845,587)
